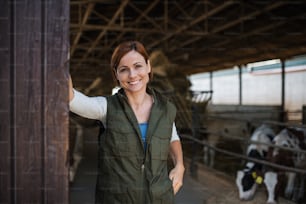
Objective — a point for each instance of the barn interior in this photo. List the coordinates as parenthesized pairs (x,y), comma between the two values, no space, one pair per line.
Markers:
(196,36)
(184,38)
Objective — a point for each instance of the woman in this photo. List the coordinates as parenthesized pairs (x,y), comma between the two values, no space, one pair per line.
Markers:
(139,134)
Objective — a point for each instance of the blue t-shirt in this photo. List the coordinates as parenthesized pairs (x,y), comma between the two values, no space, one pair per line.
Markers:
(143,129)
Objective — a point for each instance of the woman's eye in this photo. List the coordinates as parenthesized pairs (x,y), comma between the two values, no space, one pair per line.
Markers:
(122,70)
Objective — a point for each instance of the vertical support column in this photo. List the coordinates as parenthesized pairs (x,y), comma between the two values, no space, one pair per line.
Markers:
(34,91)
(283,112)
(56,113)
(5,116)
(240,84)
(304,114)
(211,82)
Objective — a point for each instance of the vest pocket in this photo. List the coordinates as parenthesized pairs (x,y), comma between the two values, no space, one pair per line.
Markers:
(120,144)
(159,148)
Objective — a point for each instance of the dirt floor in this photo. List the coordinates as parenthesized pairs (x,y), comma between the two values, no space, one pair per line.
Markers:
(221,189)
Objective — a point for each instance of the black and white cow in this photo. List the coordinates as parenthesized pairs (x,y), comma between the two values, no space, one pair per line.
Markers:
(276,179)
(247,180)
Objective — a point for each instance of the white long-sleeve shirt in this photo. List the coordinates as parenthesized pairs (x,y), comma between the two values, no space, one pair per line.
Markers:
(96,108)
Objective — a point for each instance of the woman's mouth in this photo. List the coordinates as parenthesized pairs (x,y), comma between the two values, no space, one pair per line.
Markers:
(134,82)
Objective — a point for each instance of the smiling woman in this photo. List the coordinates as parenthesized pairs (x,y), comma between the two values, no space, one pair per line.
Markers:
(139,134)
(131,54)
(133,72)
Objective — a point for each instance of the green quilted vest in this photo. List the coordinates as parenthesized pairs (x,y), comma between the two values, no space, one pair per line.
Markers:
(129,174)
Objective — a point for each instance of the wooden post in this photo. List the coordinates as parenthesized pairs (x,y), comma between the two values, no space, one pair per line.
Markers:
(5,119)
(34,101)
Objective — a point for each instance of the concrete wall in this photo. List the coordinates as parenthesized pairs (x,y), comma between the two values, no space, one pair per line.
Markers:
(259,87)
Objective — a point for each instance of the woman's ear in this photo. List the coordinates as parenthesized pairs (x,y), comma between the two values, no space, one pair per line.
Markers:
(115,74)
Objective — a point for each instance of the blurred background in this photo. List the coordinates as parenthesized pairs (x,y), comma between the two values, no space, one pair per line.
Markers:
(228,66)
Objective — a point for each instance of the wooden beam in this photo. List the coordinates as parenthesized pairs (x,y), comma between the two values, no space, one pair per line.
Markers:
(33,108)
(224,43)
(83,23)
(193,22)
(232,23)
(213,65)
(145,12)
(116,28)
(82,2)
(89,27)
(166,15)
(103,32)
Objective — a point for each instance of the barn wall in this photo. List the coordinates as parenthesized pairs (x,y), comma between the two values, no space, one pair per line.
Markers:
(246,112)
(260,87)
(237,121)
(33,108)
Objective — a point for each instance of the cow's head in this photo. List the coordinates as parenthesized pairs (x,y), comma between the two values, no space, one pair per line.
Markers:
(247,182)
(248,179)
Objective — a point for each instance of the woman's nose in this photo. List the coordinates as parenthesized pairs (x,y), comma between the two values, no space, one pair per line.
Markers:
(133,73)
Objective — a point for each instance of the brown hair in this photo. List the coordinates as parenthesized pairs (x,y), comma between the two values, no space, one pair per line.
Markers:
(123,49)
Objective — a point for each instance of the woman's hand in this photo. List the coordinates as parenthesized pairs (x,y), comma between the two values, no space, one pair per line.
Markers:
(176,175)
(70,86)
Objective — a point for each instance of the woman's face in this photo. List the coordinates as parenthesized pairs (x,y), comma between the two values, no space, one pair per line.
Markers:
(133,72)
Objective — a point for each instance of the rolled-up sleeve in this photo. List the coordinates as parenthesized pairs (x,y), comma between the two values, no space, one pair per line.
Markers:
(88,107)
(175,135)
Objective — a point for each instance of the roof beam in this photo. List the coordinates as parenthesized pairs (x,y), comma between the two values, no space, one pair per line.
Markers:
(145,12)
(232,23)
(88,27)
(103,32)
(79,33)
(195,21)
(256,31)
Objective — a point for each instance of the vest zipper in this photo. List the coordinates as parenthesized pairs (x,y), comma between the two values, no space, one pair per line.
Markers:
(142,197)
